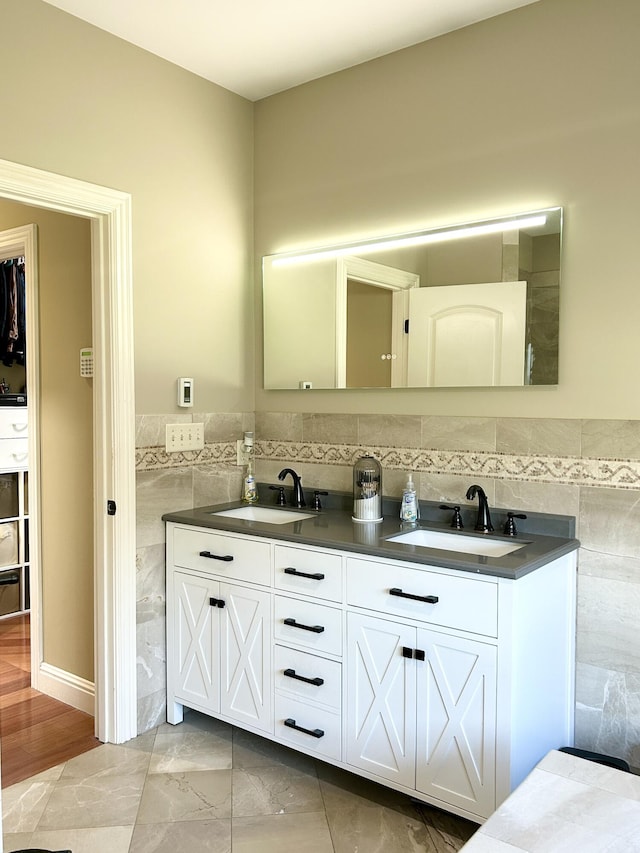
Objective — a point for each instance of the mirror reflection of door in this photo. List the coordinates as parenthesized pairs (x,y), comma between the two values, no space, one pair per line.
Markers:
(369,314)
(371,306)
(470,334)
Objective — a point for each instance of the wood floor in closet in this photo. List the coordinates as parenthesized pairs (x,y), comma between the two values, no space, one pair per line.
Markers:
(36,731)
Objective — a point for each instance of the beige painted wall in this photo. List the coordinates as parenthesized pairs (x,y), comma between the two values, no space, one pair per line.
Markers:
(91,106)
(534,108)
(66,434)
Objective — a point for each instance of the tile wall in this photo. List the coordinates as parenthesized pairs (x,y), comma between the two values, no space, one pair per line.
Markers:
(586,468)
(167,482)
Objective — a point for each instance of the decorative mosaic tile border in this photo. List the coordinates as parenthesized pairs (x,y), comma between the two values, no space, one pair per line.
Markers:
(564,470)
(157,458)
(613,473)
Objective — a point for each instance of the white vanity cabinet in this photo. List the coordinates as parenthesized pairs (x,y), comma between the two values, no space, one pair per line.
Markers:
(421,703)
(458,681)
(442,683)
(219,633)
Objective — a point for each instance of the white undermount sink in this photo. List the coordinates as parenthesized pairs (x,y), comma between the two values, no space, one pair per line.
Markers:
(265,514)
(478,545)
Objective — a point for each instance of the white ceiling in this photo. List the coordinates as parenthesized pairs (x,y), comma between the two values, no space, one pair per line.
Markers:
(258,47)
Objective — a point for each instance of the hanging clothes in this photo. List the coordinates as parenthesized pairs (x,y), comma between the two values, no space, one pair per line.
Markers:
(12,312)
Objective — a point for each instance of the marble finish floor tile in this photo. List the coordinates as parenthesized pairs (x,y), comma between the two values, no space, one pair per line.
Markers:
(275,790)
(101,839)
(95,801)
(378,829)
(213,836)
(191,751)
(108,760)
(23,805)
(203,795)
(207,786)
(283,833)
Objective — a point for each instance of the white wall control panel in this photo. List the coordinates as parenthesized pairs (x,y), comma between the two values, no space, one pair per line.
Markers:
(86,362)
(184,437)
(185,391)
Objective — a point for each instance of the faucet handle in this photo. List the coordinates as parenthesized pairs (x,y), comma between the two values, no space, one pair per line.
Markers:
(456,520)
(510,525)
(316,499)
(280,500)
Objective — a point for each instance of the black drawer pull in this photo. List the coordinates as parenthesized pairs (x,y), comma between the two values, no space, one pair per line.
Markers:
(429,599)
(316,576)
(291,673)
(313,732)
(317,629)
(216,602)
(227,559)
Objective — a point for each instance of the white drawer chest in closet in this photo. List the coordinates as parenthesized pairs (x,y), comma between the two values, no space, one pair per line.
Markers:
(14,510)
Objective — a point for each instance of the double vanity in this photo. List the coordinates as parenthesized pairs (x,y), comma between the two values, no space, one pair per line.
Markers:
(438,662)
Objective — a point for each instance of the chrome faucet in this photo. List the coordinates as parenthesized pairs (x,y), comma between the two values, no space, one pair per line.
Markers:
(298,494)
(483,522)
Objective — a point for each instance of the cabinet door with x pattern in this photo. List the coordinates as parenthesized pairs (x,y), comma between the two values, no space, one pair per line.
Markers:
(456,722)
(381,698)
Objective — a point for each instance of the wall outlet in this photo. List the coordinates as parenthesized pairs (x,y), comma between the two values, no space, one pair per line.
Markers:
(184,437)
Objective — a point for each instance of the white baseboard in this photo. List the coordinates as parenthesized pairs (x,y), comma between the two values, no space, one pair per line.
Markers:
(67,688)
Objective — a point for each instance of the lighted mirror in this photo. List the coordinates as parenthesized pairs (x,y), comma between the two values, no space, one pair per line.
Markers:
(468,305)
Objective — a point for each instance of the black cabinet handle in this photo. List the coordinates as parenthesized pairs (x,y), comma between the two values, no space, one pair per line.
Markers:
(418,654)
(313,732)
(227,559)
(316,629)
(291,673)
(316,576)
(429,599)
(216,602)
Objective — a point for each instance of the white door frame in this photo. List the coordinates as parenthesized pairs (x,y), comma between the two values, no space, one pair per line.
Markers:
(400,282)
(114,430)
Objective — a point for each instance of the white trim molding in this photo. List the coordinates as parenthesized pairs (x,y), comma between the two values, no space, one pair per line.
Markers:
(67,688)
(114,430)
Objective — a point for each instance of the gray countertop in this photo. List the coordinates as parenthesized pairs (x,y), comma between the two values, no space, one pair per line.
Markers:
(335,528)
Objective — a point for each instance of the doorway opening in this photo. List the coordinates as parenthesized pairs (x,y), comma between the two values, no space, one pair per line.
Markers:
(109,213)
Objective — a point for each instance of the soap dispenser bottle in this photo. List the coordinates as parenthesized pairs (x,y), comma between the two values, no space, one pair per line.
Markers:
(249,488)
(409,508)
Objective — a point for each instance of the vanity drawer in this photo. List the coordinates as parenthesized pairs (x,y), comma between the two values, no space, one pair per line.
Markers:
(14,453)
(308,677)
(323,728)
(230,556)
(308,572)
(304,623)
(465,603)
(13,423)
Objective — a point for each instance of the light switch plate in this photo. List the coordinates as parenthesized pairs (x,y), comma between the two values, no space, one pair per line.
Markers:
(184,437)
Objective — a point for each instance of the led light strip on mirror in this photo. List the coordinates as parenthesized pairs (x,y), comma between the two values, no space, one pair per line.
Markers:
(416,239)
